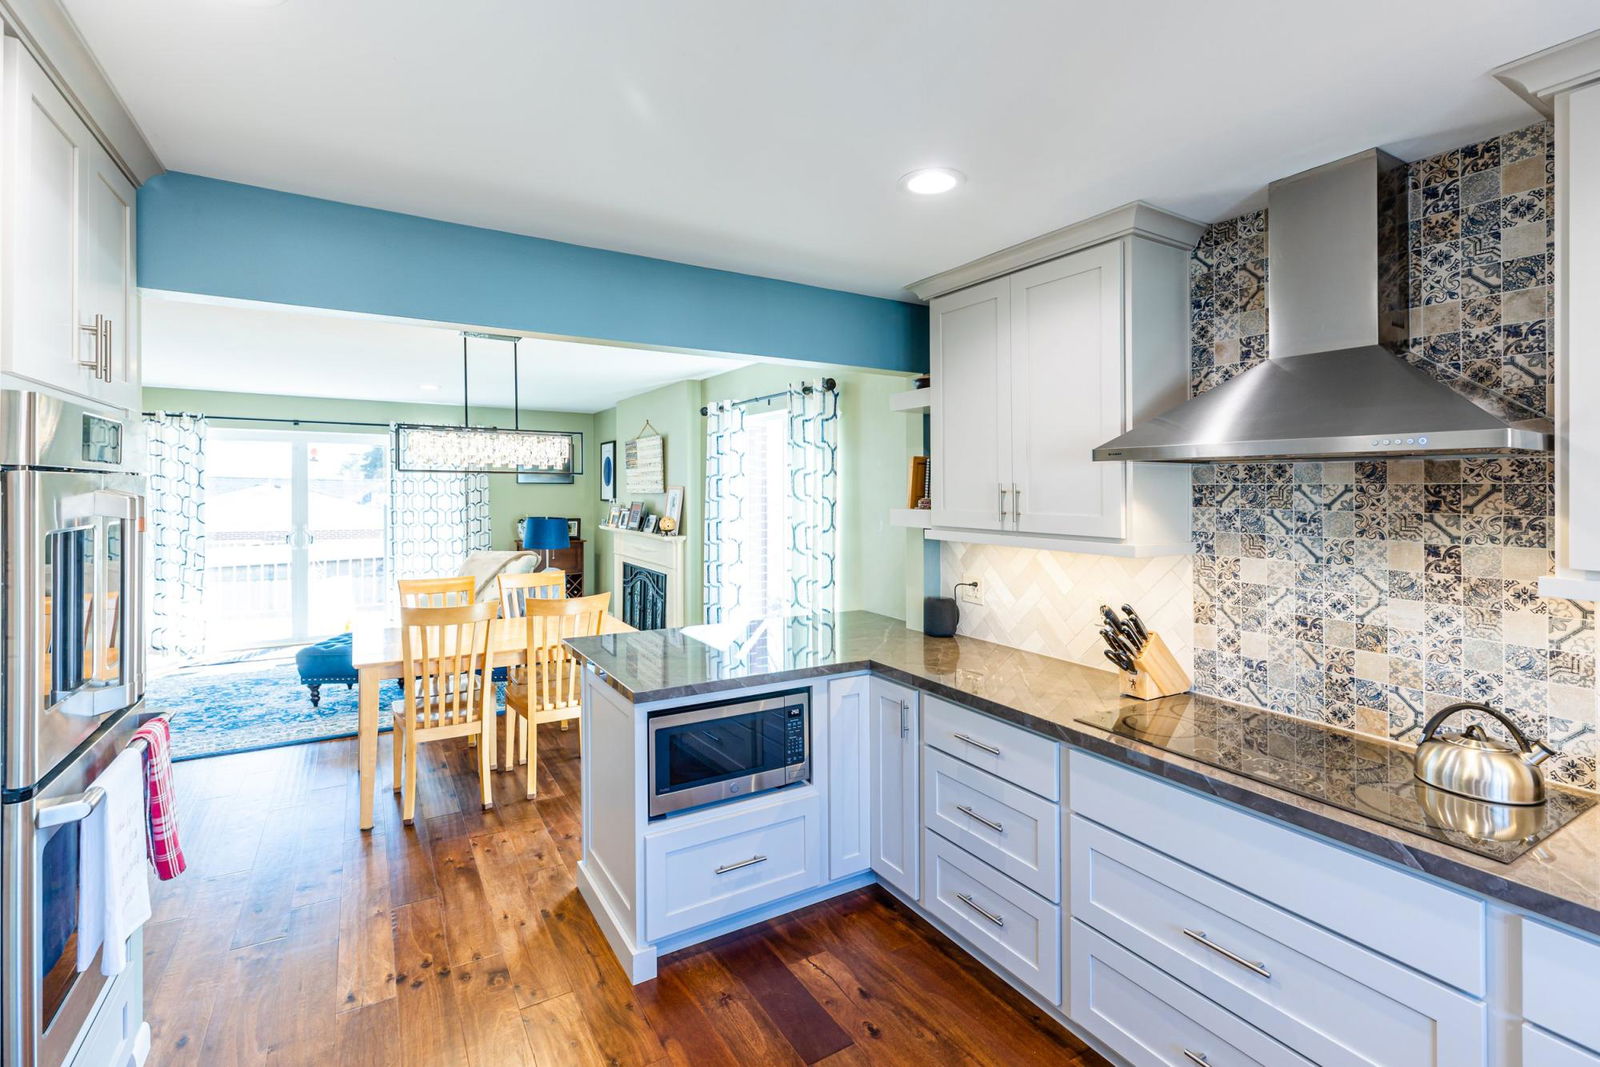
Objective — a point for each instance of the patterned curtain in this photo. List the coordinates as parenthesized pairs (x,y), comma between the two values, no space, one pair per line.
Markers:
(435,521)
(812,511)
(177,450)
(726,492)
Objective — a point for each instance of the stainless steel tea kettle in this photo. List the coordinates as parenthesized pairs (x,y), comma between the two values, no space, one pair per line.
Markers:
(1473,764)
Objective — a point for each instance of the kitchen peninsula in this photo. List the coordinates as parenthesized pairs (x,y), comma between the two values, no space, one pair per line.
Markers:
(963,777)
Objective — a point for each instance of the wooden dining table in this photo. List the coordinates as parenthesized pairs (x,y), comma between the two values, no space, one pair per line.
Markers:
(375,654)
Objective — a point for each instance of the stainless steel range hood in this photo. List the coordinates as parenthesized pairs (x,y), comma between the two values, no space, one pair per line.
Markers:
(1337,290)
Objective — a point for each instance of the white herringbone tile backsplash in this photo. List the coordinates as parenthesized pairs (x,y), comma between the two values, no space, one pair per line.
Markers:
(1049,602)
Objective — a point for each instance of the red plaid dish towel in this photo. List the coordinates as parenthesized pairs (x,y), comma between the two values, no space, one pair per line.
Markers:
(161,806)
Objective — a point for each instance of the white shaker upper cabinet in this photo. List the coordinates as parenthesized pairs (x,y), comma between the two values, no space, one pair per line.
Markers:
(45,146)
(970,341)
(1066,395)
(67,251)
(108,299)
(1043,351)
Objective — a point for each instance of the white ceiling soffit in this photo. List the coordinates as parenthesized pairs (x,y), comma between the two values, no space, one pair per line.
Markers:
(770,137)
(239,347)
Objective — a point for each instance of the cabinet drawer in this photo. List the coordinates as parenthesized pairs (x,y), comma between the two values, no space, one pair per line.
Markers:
(1005,826)
(1015,927)
(1151,1018)
(1020,756)
(1330,1000)
(751,856)
(1561,982)
(1438,931)
(1540,1049)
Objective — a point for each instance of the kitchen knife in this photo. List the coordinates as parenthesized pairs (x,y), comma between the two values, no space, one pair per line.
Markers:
(1117,642)
(1121,626)
(1140,630)
(1121,660)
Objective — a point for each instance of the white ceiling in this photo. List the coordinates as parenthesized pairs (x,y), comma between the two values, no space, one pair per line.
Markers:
(768,137)
(240,347)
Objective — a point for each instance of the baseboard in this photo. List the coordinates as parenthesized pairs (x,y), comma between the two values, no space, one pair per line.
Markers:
(639,963)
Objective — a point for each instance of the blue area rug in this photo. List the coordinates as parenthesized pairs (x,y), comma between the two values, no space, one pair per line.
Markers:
(253,702)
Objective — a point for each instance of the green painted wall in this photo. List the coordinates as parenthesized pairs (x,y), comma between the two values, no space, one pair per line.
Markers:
(508,501)
(875,448)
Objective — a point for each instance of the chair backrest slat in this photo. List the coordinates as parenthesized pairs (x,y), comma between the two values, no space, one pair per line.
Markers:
(517,589)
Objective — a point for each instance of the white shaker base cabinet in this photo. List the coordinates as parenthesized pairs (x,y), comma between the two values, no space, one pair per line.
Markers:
(896,826)
(1164,927)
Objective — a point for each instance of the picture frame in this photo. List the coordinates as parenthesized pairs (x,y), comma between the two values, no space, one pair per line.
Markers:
(635,514)
(650,523)
(673,508)
(574,526)
(608,471)
(644,462)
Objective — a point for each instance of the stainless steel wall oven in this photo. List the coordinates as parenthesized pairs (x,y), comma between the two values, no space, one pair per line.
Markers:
(72,531)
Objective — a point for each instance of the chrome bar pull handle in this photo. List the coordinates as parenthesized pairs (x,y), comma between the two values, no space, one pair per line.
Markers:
(751,862)
(1249,965)
(104,344)
(975,743)
(96,330)
(980,909)
(1016,507)
(1002,503)
(990,823)
(1195,1057)
(905,719)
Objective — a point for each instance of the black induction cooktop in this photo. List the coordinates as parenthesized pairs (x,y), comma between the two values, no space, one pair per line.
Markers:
(1364,776)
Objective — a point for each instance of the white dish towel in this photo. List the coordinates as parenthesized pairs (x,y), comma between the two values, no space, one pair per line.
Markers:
(114,886)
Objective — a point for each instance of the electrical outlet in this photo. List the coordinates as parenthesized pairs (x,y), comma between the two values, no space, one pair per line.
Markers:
(971,591)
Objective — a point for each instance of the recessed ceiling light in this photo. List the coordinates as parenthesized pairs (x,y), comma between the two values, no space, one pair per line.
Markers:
(931,181)
(428,387)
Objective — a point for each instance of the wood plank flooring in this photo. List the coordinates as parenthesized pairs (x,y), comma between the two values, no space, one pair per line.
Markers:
(296,939)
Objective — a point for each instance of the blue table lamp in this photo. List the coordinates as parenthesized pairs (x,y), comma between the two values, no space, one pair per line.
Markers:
(544,534)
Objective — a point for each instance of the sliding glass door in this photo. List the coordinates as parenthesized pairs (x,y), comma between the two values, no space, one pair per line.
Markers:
(294,534)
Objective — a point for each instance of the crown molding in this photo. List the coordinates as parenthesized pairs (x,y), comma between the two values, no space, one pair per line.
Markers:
(1137,219)
(1557,69)
(51,37)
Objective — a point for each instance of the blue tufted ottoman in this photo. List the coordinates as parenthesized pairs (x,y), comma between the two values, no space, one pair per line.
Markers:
(325,663)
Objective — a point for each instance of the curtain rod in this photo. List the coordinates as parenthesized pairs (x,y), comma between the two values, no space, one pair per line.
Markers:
(287,422)
(828,385)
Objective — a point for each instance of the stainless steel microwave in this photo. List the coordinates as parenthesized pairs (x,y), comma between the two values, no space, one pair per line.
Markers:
(715,752)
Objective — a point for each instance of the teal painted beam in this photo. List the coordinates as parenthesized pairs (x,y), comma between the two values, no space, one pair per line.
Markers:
(216,238)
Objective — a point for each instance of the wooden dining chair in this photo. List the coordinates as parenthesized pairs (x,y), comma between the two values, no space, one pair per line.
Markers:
(551,690)
(448,690)
(515,589)
(437,592)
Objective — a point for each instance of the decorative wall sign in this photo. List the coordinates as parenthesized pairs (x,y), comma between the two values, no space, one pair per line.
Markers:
(644,460)
(608,471)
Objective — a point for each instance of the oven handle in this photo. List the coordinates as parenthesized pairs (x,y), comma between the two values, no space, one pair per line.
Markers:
(75,808)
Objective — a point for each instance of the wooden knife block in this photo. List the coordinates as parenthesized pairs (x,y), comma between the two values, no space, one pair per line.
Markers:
(1157,672)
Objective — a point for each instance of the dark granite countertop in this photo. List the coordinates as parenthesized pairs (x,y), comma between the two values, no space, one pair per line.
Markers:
(1559,878)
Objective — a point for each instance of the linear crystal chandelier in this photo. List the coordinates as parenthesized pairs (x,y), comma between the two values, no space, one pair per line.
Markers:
(469,449)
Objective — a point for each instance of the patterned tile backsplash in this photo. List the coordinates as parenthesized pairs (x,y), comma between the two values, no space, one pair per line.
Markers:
(1371,594)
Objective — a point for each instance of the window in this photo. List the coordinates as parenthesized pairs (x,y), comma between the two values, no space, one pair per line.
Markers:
(294,534)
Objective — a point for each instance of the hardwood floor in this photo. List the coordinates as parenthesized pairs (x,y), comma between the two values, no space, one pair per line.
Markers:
(296,939)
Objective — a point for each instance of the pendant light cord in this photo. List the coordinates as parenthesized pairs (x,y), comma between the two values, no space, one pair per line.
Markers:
(466,401)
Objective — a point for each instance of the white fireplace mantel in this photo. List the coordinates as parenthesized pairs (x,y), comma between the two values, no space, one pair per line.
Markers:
(669,555)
